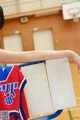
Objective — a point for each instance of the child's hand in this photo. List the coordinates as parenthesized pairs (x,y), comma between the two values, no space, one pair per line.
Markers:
(76,59)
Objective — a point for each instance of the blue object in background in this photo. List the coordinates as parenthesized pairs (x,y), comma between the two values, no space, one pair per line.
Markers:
(49,117)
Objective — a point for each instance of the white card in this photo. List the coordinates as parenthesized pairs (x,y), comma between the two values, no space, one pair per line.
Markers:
(60,83)
(37,89)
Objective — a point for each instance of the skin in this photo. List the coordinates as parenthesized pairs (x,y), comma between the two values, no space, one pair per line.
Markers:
(36,55)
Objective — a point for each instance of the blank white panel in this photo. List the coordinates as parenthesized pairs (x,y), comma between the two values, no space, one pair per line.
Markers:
(29,6)
(9,6)
(51,3)
(37,91)
(13,42)
(10,10)
(43,40)
(60,82)
(26,1)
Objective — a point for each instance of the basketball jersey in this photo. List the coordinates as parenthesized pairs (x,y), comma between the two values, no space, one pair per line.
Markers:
(12,98)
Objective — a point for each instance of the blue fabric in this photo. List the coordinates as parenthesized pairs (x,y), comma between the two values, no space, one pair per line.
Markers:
(21,107)
(31,63)
(49,117)
(4,72)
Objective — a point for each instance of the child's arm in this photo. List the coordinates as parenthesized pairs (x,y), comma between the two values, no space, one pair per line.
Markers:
(36,55)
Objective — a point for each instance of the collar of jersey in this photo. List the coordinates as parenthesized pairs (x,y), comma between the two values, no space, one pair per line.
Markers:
(4,73)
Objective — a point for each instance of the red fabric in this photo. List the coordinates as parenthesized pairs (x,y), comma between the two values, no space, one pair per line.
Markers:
(10,89)
(12,118)
(11,79)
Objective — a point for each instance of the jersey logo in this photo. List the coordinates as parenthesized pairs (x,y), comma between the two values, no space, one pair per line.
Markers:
(9,100)
(8,90)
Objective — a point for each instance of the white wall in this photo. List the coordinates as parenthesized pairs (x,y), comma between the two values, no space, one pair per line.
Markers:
(15,6)
(51,3)
(29,5)
(9,6)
